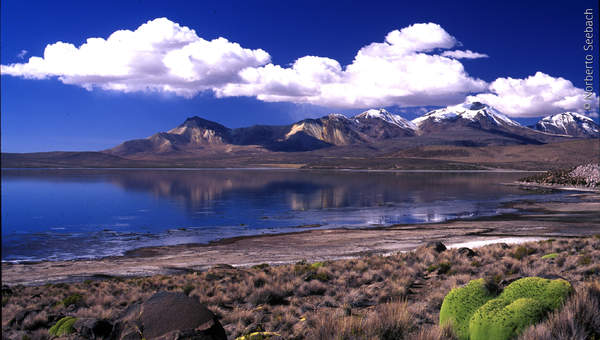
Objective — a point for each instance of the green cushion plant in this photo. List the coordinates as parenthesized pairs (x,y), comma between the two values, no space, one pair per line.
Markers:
(460,304)
(501,319)
(551,293)
(476,315)
(63,327)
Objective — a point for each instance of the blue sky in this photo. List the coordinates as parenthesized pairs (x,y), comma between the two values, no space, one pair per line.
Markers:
(260,80)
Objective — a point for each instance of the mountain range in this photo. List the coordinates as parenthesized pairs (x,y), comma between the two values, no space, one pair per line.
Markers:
(465,136)
(467,124)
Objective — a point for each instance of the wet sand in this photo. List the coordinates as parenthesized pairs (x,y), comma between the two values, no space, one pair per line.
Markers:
(533,220)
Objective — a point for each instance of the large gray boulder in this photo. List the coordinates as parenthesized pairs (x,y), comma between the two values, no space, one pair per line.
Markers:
(91,328)
(169,316)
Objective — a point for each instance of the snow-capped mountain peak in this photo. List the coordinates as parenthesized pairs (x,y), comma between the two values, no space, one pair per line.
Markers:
(470,111)
(337,116)
(569,123)
(387,117)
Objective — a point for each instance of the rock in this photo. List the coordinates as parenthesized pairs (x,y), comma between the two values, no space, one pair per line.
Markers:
(436,245)
(6,291)
(468,252)
(504,245)
(91,328)
(169,316)
(17,321)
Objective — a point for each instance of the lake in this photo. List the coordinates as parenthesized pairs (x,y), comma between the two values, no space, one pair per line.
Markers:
(89,213)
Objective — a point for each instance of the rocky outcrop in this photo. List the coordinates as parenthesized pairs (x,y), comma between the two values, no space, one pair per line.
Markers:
(169,316)
(437,246)
(91,328)
(590,173)
(587,175)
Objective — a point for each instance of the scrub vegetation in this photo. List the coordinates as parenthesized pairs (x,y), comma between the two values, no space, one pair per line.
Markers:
(371,297)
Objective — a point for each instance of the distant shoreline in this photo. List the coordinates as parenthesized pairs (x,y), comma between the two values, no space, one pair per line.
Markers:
(555,186)
(432,154)
(293,169)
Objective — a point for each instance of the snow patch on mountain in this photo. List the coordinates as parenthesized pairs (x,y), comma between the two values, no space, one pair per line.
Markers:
(566,122)
(337,116)
(387,117)
(471,111)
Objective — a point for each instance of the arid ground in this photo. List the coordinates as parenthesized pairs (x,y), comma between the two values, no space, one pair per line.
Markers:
(397,155)
(369,297)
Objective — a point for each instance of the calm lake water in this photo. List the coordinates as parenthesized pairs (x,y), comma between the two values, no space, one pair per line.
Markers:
(66,214)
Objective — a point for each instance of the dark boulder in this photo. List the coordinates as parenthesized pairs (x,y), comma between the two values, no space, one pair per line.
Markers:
(169,316)
(91,328)
(468,252)
(6,291)
(18,319)
(436,245)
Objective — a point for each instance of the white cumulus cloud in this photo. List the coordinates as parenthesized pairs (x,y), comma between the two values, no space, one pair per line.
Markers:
(397,71)
(413,66)
(534,96)
(160,55)
(468,54)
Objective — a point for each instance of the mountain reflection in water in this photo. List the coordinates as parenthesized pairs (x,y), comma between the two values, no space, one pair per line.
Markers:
(61,214)
(304,190)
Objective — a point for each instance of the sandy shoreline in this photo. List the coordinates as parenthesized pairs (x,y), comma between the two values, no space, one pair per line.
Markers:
(534,220)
